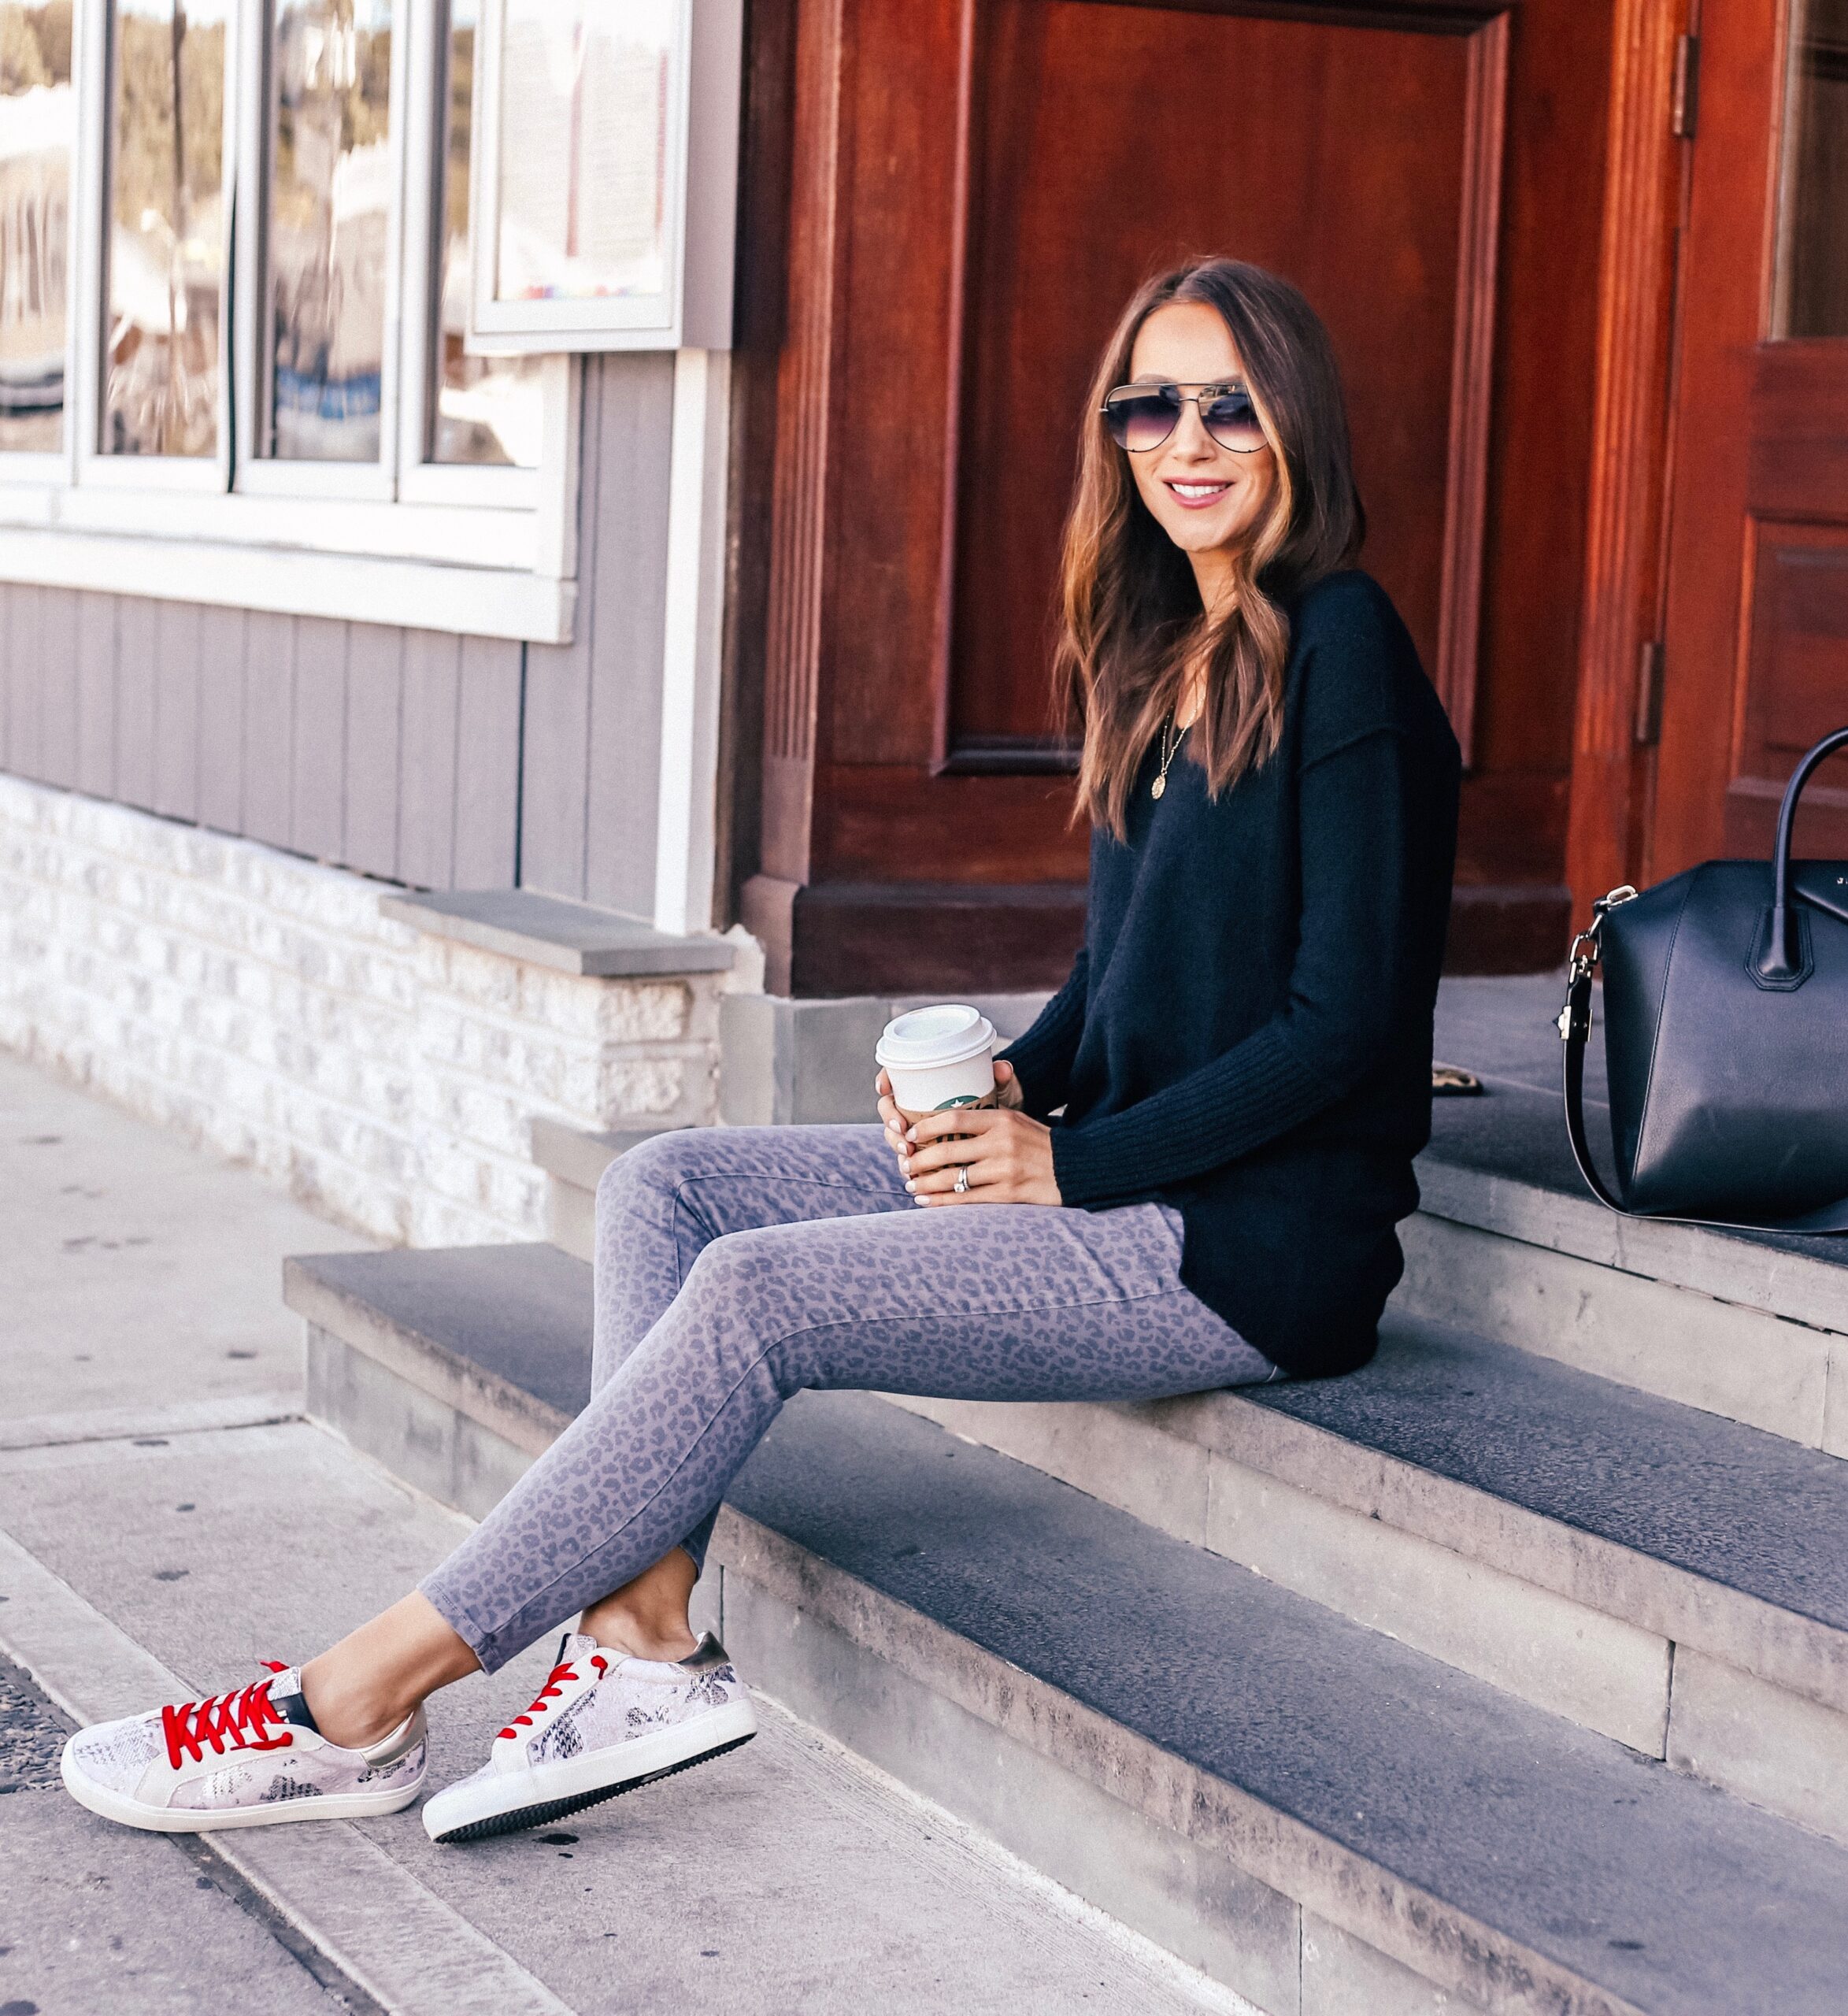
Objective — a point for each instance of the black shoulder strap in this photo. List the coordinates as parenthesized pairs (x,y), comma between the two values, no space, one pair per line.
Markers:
(1575,1027)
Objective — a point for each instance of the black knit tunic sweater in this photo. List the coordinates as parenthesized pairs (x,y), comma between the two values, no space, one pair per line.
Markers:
(1246,1032)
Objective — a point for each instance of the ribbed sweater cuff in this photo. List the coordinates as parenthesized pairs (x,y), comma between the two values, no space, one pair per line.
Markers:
(1250,1095)
(1042,1058)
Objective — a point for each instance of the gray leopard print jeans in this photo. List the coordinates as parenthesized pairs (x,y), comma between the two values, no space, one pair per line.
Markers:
(736,1265)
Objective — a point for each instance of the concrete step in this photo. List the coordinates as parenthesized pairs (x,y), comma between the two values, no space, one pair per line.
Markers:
(1321,1817)
(1675,1581)
(573,1158)
(1750,1326)
(1662,1577)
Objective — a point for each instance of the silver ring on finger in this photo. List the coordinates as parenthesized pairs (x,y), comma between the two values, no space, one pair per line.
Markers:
(962,1177)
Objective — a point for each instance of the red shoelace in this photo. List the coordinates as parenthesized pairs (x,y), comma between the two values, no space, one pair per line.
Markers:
(242,1718)
(550,1692)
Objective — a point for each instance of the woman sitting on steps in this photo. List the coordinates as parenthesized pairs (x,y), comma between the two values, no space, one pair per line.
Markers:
(1243,1054)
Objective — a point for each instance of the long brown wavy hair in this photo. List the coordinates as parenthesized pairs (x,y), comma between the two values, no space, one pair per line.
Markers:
(1132,617)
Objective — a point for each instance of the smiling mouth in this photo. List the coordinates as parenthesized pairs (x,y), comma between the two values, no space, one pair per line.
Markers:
(1195,495)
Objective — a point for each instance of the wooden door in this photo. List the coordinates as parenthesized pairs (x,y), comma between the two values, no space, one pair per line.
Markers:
(977,186)
(1755,658)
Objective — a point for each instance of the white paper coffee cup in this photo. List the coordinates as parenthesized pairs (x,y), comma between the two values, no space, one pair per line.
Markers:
(939,1057)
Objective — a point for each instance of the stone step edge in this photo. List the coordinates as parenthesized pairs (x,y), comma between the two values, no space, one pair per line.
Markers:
(1443,1945)
(1744,1364)
(1778,1647)
(1717,1684)
(1450,1948)
(1799,1287)
(531,1424)
(578,1156)
(1744,1728)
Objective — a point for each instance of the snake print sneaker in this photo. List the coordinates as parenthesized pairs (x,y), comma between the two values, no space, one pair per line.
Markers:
(602,1724)
(248,1757)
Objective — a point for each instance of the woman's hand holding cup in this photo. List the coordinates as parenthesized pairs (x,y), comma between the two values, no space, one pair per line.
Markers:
(955,1117)
(1008,1155)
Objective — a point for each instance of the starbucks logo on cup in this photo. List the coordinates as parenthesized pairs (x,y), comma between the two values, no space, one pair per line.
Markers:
(939,1057)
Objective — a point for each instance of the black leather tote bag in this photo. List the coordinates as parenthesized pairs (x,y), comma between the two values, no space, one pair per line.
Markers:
(1726,1035)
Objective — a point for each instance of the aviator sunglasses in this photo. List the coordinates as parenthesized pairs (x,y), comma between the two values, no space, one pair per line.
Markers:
(1139,417)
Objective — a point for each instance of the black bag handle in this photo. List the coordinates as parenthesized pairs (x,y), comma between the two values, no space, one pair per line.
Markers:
(1783,954)
(1781,961)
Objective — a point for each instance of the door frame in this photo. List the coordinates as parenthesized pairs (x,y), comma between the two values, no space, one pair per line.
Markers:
(1646,193)
(1515,811)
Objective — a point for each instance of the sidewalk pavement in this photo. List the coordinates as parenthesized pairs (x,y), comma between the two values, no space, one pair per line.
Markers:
(165,1510)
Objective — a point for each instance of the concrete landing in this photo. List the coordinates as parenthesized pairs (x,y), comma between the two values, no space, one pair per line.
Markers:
(97,1919)
(116,1233)
(785,1877)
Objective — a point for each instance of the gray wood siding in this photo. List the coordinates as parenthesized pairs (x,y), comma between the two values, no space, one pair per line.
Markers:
(438,760)
(96,618)
(593,706)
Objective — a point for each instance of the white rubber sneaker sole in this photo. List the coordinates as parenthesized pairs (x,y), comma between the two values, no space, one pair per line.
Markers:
(510,1800)
(128,1812)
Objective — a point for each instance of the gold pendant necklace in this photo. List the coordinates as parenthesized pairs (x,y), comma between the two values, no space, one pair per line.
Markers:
(1159,783)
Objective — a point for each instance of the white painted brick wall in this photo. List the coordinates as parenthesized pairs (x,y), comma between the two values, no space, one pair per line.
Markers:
(258,1004)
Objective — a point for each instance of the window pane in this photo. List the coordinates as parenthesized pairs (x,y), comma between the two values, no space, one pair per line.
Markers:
(584,135)
(330,204)
(486,408)
(1812,270)
(166,251)
(38,122)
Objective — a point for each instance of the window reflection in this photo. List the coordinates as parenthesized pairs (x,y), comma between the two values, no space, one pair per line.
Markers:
(166,249)
(38,124)
(330,203)
(1813,224)
(486,409)
(583,138)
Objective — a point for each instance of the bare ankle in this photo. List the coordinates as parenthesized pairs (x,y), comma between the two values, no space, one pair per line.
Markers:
(641,1637)
(647,1617)
(360,1690)
(355,1716)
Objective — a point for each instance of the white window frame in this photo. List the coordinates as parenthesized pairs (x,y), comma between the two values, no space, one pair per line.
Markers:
(49,465)
(482,550)
(645,321)
(156,476)
(694,310)
(421,480)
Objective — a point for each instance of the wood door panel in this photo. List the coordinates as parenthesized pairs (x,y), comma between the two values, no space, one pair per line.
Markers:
(1799,437)
(1071,205)
(1795,684)
(988,252)
(975,186)
(894,393)
(1511,829)
(1723,285)
(1757,622)
(998,829)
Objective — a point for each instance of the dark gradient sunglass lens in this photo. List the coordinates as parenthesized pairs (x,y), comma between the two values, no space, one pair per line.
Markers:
(1141,421)
(1232,422)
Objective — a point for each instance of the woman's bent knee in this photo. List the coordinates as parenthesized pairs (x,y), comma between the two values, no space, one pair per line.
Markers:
(724,1267)
(661,1162)
(682,1154)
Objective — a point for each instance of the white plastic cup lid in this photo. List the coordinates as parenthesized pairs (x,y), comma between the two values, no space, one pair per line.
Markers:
(948,1034)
